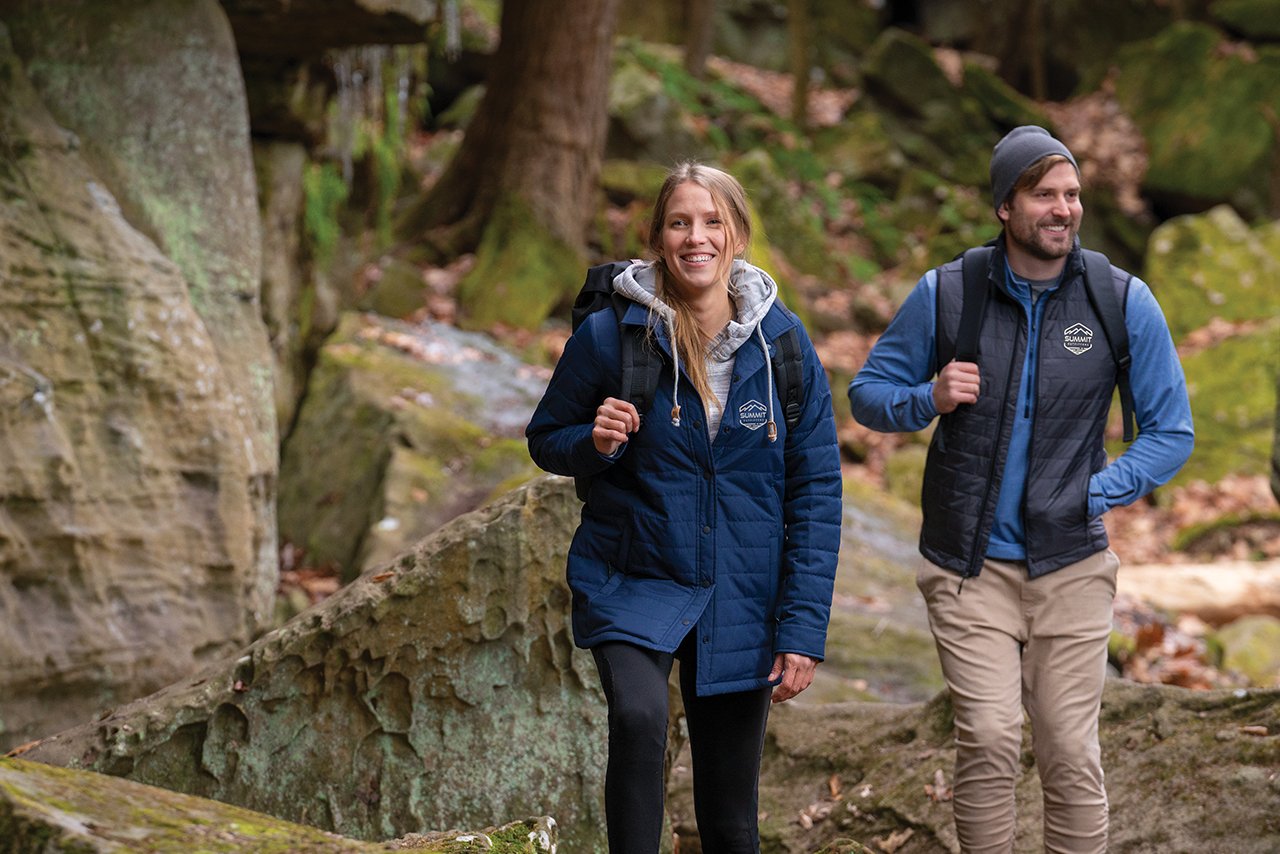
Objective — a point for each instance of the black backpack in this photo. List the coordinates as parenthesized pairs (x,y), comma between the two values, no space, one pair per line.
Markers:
(1102,296)
(642,361)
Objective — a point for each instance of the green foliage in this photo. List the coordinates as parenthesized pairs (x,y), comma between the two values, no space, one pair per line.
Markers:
(324,193)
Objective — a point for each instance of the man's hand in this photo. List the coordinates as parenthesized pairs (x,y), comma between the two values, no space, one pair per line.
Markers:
(615,419)
(957,383)
(796,672)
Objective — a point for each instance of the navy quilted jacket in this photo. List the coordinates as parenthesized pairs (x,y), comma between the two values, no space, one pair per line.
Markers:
(737,537)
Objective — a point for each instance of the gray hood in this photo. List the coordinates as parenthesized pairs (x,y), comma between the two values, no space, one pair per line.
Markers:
(753,294)
(752,290)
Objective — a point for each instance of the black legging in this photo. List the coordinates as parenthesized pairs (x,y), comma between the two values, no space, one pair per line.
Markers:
(726,737)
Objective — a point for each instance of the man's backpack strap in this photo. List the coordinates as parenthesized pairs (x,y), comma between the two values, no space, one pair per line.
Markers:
(975,269)
(788,369)
(1106,304)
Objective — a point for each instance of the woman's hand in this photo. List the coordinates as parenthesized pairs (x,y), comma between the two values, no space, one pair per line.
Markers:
(615,420)
(796,672)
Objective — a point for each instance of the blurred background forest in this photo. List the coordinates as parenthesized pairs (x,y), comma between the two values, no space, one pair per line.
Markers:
(284,279)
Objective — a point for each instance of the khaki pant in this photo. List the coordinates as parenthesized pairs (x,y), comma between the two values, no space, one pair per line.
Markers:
(1007,642)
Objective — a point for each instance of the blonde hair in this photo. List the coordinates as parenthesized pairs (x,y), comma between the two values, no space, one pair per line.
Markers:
(730,200)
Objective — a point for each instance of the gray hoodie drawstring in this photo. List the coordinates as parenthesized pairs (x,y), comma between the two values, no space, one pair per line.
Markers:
(764,346)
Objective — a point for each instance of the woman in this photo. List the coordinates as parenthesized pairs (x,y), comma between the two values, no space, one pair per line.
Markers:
(710,530)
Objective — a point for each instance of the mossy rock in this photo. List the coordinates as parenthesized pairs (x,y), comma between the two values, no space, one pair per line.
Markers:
(793,224)
(650,105)
(633,180)
(1258,20)
(1206,127)
(398,292)
(522,272)
(1232,388)
(901,71)
(1003,104)
(1211,265)
(861,149)
(409,413)
(1251,645)
(939,126)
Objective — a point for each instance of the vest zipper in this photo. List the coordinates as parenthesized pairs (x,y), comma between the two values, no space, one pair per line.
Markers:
(975,559)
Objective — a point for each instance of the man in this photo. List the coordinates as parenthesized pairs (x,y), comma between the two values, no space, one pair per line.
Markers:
(1019,579)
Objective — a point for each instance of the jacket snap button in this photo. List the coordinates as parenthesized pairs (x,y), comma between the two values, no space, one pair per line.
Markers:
(706,583)
(706,529)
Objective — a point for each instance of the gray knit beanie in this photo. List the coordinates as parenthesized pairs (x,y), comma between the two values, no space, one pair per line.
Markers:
(1013,155)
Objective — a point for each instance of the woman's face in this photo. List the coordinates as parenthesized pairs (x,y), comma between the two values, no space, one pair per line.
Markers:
(695,241)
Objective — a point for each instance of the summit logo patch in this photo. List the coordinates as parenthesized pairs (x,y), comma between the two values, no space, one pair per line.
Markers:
(752,414)
(1078,338)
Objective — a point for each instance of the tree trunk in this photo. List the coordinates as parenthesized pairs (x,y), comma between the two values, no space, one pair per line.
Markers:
(700,21)
(538,134)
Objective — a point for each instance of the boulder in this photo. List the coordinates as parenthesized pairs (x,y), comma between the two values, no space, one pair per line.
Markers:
(403,428)
(307,28)
(1252,19)
(1251,645)
(439,691)
(1210,128)
(1211,265)
(1231,385)
(879,774)
(45,809)
(138,453)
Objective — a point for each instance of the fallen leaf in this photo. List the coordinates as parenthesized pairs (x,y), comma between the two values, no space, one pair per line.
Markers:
(23,748)
(938,791)
(894,840)
(1254,730)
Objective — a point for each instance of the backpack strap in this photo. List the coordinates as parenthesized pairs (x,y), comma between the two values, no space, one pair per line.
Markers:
(595,292)
(975,269)
(641,360)
(1106,304)
(788,371)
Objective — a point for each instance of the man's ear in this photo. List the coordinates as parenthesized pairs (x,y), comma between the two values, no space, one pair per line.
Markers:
(1003,212)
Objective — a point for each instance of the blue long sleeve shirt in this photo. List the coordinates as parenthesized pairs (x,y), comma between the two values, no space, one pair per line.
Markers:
(893,392)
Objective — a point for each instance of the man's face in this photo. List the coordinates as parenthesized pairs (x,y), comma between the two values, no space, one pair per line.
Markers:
(1043,221)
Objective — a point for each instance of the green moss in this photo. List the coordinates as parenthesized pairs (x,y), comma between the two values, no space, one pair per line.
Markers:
(632,179)
(1005,105)
(1216,103)
(1256,19)
(1212,265)
(1187,539)
(324,193)
(1232,388)
(522,272)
